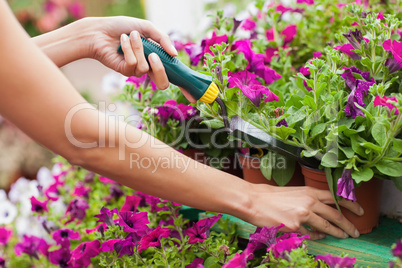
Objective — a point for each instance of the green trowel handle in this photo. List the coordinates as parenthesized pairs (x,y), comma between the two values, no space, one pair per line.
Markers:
(178,73)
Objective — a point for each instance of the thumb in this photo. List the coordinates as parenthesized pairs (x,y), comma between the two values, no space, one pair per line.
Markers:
(188,95)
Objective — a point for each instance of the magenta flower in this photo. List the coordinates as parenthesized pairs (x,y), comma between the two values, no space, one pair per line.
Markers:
(317,54)
(270,34)
(77,10)
(286,243)
(152,238)
(347,49)
(195,53)
(31,245)
(153,202)
(380,16)
(282,9)
(197,263)
(52,193)
(289,33)
(100,228)
(355,38)
(106,180)
(397,250)
(240,260)
(248,25)
(201,229)
(384,102)
(215,39)
(5,235)
(133,222)
(393,65)
(336,261)
(269,54)
(359,88)
(346,187)
(77,209)
(121,246)
(81,190)
(38,206)
(137,81)
(251,87)
(395,47)
(63,237)
(106,216)
(3,263)
(81,256)
(305,70)
(115,191)
(131,203)
(307,2)
(264,237)
(60,257)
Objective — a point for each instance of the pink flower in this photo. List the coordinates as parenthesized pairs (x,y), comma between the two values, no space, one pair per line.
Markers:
(197,263)
(60,257)
(384,102)
(81,190)
(264,237)
(81,256)
(77,10)
(106,216)
(131,203)
(106,180)
(98,228)
(286,243)
(305,70)
(143,80)
(38,206)
(346,187)
(347,49)
(5,235)
(201,229)
(195,53)
(215,39)
(248,24)
(307,2)
(317,54)
(269,54)
(395,47)
(240,260)
(380,16)
(270,34)
(31,245)
(152,238)
(133,222)
(77,209)
(63,237)
(336,261)
(121,246)
(289,33)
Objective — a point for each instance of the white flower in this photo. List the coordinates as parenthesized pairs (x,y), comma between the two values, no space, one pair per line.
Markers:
(3,195)
(30,226)
(8,212)
(45,177)
(113,82)
(23,189)
(58,207)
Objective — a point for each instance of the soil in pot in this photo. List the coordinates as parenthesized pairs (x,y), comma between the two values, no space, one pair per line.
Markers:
(253,174)
(368,195)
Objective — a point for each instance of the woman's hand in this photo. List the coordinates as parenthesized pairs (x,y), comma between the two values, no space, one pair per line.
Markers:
(111,31)
(299,206)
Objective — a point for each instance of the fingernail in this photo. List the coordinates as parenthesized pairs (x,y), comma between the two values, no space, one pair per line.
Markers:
(154,57)
(361,211)
(134,35)
(345,235)
(357,234)
(174,49)
(124,38)
(321,236)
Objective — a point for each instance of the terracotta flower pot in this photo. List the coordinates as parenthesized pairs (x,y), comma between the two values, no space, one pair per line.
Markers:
(368,195)
(253,174)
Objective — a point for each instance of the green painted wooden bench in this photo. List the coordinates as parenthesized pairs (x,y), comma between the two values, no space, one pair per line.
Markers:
(372,250)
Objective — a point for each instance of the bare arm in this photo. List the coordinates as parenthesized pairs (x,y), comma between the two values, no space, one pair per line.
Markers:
(36,97)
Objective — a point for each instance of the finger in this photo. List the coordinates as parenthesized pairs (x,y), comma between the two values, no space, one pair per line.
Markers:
(322,224)
(149,31)
(334,216)
(129,56)
(136,44)
(188,96)
(327,198)
(314,235)
(158,74)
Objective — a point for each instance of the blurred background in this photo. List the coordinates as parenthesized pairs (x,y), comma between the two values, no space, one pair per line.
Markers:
(22,157)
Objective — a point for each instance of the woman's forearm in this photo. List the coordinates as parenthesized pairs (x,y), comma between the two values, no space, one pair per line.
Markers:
(67,44)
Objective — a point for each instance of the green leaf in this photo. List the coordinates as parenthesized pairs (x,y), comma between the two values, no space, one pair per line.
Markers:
(356,140)
(330,159)
(365,174)
(397,145)
(398,182)
(332,185)
(390,168)
(371,146)
(266,165)
(318,129)
(214,123)
(309,101)
(379,133)
(283,174)
(348,151)
(307,153)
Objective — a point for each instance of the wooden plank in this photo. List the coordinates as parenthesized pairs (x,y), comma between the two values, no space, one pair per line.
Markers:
(372,249)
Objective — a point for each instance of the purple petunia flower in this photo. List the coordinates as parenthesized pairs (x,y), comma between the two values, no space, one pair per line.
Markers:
(195,53)
(38,206)
(81,190)
(197,263)
(133,222)
(106,216)
(317,54)
(121,246)
(63,237)
(347,49)
(200,231)
(81,256)
(346,187)
(355,38)
(115,191)
(131,203)
(307,2)
(393,65)
(248,25)
(3,263)
(240,259)
(270,34)
(269,54)
(5,235)
(397,250)
(60,257)
(384,102)
(236,24)
(396,50)
(359,88)
(215,39)
(31,245)
(137,81)
(77,209)
(264,237)
(251,87)
(336,261)
(286,243)
(152,238)
(289,33)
